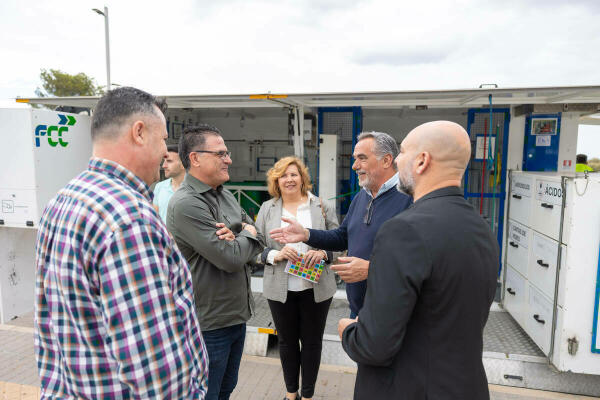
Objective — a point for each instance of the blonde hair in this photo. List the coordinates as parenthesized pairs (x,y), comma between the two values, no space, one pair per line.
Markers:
(277,171)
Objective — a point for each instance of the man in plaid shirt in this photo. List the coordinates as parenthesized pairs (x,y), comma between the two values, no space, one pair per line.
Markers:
(114,309)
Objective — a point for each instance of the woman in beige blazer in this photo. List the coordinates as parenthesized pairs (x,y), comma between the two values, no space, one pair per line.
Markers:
(299,307)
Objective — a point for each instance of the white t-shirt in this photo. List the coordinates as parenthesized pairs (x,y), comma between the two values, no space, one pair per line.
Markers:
(296,284)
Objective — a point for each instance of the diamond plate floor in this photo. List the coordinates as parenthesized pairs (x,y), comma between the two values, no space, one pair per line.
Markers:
(502,334)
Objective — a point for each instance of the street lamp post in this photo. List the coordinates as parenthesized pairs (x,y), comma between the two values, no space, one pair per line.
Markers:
(105,14)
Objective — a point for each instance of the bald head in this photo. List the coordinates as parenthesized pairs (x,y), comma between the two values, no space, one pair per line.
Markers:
(433,155)
(447,142)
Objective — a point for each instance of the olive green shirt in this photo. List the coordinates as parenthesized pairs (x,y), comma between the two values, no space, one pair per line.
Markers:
(220,276)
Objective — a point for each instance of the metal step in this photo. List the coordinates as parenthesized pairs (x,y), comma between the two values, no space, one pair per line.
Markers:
(510,357)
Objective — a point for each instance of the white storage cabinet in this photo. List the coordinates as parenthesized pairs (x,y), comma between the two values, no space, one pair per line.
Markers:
(541,250)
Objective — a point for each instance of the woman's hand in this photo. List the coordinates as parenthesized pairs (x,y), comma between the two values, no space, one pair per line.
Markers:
(313,257)
(287,253)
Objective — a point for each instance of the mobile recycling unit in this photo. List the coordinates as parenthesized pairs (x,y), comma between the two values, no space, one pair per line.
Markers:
(543,331)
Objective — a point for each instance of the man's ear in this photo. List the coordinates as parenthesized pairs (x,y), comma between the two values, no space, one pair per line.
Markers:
(193,160)
(422,162)
(138,132)
(388,161)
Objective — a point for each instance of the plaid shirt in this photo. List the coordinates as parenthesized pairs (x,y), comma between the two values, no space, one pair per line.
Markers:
(114,309)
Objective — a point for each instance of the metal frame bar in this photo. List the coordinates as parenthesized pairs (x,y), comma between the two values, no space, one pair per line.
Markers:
(357,119)
(563,186)
(452,97)
(509,175)
(319,131)
(238,191)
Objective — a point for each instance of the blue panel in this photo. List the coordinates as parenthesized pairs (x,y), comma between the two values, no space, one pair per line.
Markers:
(356,130)
(596,321)
(503,181)
(352,184)
(319,131)
(346,200)
(501,195)
(337,109)
(538,155)
(470,120)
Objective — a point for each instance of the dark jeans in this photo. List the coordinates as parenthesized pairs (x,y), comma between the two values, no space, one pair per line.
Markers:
(224,347)
(356,296)
(300,319)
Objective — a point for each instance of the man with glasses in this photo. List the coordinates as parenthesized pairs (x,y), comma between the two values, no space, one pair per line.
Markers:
(217,239)
(374,156)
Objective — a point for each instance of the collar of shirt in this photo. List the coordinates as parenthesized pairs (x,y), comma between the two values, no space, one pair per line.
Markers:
(200,186)
(390,183)
(445,191)
(117,171)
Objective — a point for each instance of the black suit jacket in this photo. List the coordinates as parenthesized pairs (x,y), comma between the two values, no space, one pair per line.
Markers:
(432,280)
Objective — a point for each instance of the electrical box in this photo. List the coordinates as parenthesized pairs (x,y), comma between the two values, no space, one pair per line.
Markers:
(552,276)
(550,142)
(41,150)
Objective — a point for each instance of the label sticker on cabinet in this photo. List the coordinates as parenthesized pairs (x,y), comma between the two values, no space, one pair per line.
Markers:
(549,191)
(518,234)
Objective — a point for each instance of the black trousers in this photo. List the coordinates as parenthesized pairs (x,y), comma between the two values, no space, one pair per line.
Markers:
(300,320)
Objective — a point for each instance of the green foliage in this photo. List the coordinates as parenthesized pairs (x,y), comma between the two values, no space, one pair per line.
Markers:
(61,84)
(594,163)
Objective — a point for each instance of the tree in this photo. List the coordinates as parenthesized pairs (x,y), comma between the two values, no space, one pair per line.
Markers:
(58,83)
(594,163)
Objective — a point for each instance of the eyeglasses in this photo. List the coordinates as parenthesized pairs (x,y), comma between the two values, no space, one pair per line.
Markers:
(369,214)
(223,154)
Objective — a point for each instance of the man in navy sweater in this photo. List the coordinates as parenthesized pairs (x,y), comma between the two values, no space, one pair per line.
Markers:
(432,280)
(379,201)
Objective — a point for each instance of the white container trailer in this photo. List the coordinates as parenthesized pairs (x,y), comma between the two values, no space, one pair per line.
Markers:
(533,128)
(42,150)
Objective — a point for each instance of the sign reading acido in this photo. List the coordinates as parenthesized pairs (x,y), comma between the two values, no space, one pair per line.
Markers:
(54,133)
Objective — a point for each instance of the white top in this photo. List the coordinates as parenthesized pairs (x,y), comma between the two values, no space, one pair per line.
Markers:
(296,284)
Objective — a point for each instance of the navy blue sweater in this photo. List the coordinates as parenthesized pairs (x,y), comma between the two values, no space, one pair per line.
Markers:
(357,236)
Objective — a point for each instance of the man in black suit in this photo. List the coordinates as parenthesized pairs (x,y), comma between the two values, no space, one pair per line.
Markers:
(431,282)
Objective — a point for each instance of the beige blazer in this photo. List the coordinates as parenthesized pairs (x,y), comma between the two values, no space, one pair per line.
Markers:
(275,279)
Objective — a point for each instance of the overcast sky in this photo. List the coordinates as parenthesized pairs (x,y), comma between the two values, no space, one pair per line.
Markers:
(231,46)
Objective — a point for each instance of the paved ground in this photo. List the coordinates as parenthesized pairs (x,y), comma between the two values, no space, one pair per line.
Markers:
(260,377)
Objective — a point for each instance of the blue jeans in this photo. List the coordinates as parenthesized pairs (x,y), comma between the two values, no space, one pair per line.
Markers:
(224,347)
